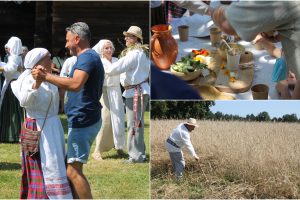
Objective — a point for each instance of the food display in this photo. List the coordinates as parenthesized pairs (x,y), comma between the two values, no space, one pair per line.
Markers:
(237,48)
(190,66)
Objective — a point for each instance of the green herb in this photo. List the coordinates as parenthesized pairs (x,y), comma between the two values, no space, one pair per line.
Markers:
(188,64)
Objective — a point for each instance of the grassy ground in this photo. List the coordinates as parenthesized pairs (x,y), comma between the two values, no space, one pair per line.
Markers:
(110,179)
(237,160)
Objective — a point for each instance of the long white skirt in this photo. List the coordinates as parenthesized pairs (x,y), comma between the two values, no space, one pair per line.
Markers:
(112,132)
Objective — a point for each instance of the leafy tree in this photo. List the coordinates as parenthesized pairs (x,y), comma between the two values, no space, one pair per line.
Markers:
(210,115)
(158,109)
(263,116)
(290,118)
(180,109)
(218,115)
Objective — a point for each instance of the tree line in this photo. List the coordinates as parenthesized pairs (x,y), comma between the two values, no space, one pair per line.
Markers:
(201,110)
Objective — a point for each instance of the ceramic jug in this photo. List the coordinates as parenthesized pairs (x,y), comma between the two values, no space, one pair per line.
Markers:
(164,48)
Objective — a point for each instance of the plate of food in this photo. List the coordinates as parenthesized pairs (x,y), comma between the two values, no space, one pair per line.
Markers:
(189,67)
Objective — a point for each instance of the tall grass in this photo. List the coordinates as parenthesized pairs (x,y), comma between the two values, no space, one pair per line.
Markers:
(237,160)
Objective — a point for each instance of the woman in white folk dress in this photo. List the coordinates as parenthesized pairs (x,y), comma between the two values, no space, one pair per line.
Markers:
(10,111)
(43,173)
(112,132)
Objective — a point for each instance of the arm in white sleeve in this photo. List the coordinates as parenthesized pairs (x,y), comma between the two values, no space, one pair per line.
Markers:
(123,64)
(187,141)
(12,64)
(65,69)
(198,7)
(67,66)
(27,95)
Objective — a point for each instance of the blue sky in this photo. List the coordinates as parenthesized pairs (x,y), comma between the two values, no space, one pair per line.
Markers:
(242,108)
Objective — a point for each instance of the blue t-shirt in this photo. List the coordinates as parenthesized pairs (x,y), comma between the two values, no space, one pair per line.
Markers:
(167,86)
(83,108)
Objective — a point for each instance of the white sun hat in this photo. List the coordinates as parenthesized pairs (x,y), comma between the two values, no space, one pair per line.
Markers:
(192,122)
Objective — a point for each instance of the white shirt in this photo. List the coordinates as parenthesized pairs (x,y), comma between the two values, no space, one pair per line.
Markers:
(67,66)
(135,67)
(11,67)
(110,81)
(198,7)
(262,18)
(181,137)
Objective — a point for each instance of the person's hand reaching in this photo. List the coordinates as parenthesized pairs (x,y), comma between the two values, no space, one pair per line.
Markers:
(196,158)
(258,39)
(219,18)
(275,37)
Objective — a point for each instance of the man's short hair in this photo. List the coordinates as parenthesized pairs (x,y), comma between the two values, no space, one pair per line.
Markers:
(81,29)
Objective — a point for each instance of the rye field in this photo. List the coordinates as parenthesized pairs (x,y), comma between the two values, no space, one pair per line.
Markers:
(237,160)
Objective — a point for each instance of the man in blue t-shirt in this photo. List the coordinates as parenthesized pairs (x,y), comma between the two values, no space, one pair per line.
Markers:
(84,86)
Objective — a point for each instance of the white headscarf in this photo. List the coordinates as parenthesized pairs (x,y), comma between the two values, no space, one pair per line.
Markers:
(34,56)
(99,46)
(15,46)
(31,59)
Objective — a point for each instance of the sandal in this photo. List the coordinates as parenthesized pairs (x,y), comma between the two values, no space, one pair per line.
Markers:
(97,156)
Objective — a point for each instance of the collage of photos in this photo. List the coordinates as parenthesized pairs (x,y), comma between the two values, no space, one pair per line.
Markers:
(150,99)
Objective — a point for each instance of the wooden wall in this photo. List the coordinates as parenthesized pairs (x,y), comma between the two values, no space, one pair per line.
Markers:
(16,20)
(43,23)
(106,20)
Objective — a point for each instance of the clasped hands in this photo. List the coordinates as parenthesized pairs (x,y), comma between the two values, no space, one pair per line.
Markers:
(39,73)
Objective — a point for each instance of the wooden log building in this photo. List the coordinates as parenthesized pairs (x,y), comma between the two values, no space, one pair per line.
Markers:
(43,23)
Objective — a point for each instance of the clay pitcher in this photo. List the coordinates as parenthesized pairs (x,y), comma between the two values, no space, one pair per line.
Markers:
(164,48)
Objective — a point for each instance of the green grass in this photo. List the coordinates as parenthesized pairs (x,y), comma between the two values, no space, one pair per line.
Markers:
(109,179)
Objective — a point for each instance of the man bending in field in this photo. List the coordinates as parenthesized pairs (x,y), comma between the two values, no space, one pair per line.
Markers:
(179,138)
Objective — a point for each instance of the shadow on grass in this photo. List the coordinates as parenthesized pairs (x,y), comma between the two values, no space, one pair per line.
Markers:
(116,156)
(10,166)
(121,156)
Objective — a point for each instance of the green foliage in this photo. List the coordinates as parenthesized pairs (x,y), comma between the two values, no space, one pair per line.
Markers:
(180,109)
(261,117)
(289,118)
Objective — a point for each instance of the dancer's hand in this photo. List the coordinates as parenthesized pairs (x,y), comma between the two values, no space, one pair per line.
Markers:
(38,73)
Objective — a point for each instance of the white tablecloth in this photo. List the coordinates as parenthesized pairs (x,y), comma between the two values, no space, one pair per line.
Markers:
(263,61)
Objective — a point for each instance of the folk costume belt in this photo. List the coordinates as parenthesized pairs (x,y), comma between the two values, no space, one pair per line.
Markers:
(137,90)
(127,87)
(172,143)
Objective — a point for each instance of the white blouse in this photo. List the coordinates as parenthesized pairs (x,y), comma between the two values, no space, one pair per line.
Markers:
(36,101)
(110,81)
(11,67)
(135,67)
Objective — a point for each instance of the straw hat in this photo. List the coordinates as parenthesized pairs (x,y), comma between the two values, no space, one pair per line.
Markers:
(134,30)
(192,122)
